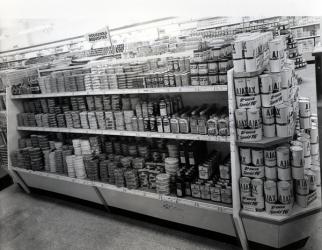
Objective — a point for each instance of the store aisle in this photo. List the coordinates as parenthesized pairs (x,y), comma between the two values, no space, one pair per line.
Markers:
(39,222)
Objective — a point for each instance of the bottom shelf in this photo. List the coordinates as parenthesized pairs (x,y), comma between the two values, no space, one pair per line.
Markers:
(201,214)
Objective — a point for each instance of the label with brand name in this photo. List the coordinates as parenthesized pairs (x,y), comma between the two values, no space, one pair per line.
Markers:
(248,135)
(278,209)
(253,171)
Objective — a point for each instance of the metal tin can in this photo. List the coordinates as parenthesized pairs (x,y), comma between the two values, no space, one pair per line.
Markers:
(245,186)
(270,191)
(245,156)
(241,118)
(257,188)
(253,118)
(284,192)
(240,86)
(270,157)
(257,157)
(252,85)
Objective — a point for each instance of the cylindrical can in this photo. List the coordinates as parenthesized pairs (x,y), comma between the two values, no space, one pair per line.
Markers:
(270,191)
(305,122)
(283,156)
(270,157)
(282,130)
(250,47)
(268,115)
(252,85)
(297,156)
(245,186)
(276,79)
(238,49)
(305,107)
(312,180)
(253,118)
(257,188)
(306,145)
(241,118)
(275,65)
(269,130)
(307,162)
(239,65)
(250,64)
(302,186)
(257,157)
(240,86)
(286,78)
(282,114)
(271,172)
(266,100)
(314,133)
(297,172)
(317,171)
(266,84)
(245,156)
(284,192)
(314,148)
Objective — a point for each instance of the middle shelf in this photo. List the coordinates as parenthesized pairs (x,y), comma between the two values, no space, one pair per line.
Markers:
(195,137)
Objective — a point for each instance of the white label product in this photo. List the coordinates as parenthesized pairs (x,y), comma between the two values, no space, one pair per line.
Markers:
(253,171)
(257,188)
(302,186)
(253,118)
(245,186)
(248,101)
(276,79)
(240,86)
(252,85)
(257,157)
(284,192)
(270,191)
(271,172)
(268,115)
(266,84)
(282,114)
(270,157)
(245,156)
(305,107)
(275,65)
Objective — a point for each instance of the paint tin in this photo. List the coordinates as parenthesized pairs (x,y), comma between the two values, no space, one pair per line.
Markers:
(275,47)
(250,64)
(276,82)
(285,94)
(297,156)
(282,114)
(245,156)
(253,118)
(275,65)
(317,171)
(240,86)
(238,46)
(257,188)
(248,101)
(306,145)
(269,130)
(286,78)
(270,191)
(241,118)
(284,192)
(314,148)
(270,157)
(271,172)
(239,65)
(314,133)
(283,156)
(312,181)
(305,107)
(302,186)
(282,130)
(245,186)
(297,172)
(266,84)
(284,173)
(305,122)
(250,47)
(268,115)
(252,85)
(257,157)
(266,100)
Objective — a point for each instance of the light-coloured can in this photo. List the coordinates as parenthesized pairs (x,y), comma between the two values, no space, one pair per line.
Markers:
(284,192)
(252,85)
(245,186)
(253,118)
(306,145)
(282,114)
(268,115)
(284,173)
(271,172)
(251,65)
(314,134)
(283,156)
(275,65)
(257,157)
(240,86)
(302,186)
(239,65)
(270,191)
(269,130)
(270,157)
(277,80)
(286,78)
(297,154)
(266,84)
(241,118)
(312,180)
(257,188)
(305,107)
(305,122)
(245,156)
(283,130)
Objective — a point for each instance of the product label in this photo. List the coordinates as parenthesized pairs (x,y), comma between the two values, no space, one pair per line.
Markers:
(248,101)
(253,171)
(246,135)
(278,209)
(276,99)
(103,34)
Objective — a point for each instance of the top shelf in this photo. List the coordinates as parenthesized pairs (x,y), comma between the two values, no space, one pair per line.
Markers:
(184,89)
(304,25)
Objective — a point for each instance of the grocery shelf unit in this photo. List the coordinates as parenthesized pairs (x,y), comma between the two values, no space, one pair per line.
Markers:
(275,231)
(212,216)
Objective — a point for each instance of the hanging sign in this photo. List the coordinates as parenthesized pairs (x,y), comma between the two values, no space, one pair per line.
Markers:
(100,35)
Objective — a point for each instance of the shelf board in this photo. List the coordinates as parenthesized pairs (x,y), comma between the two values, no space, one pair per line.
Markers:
(184,89)
(266,142)
(249,74)
(195,137)
(306,37)
(304,25)
(188,201)
(298,212)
